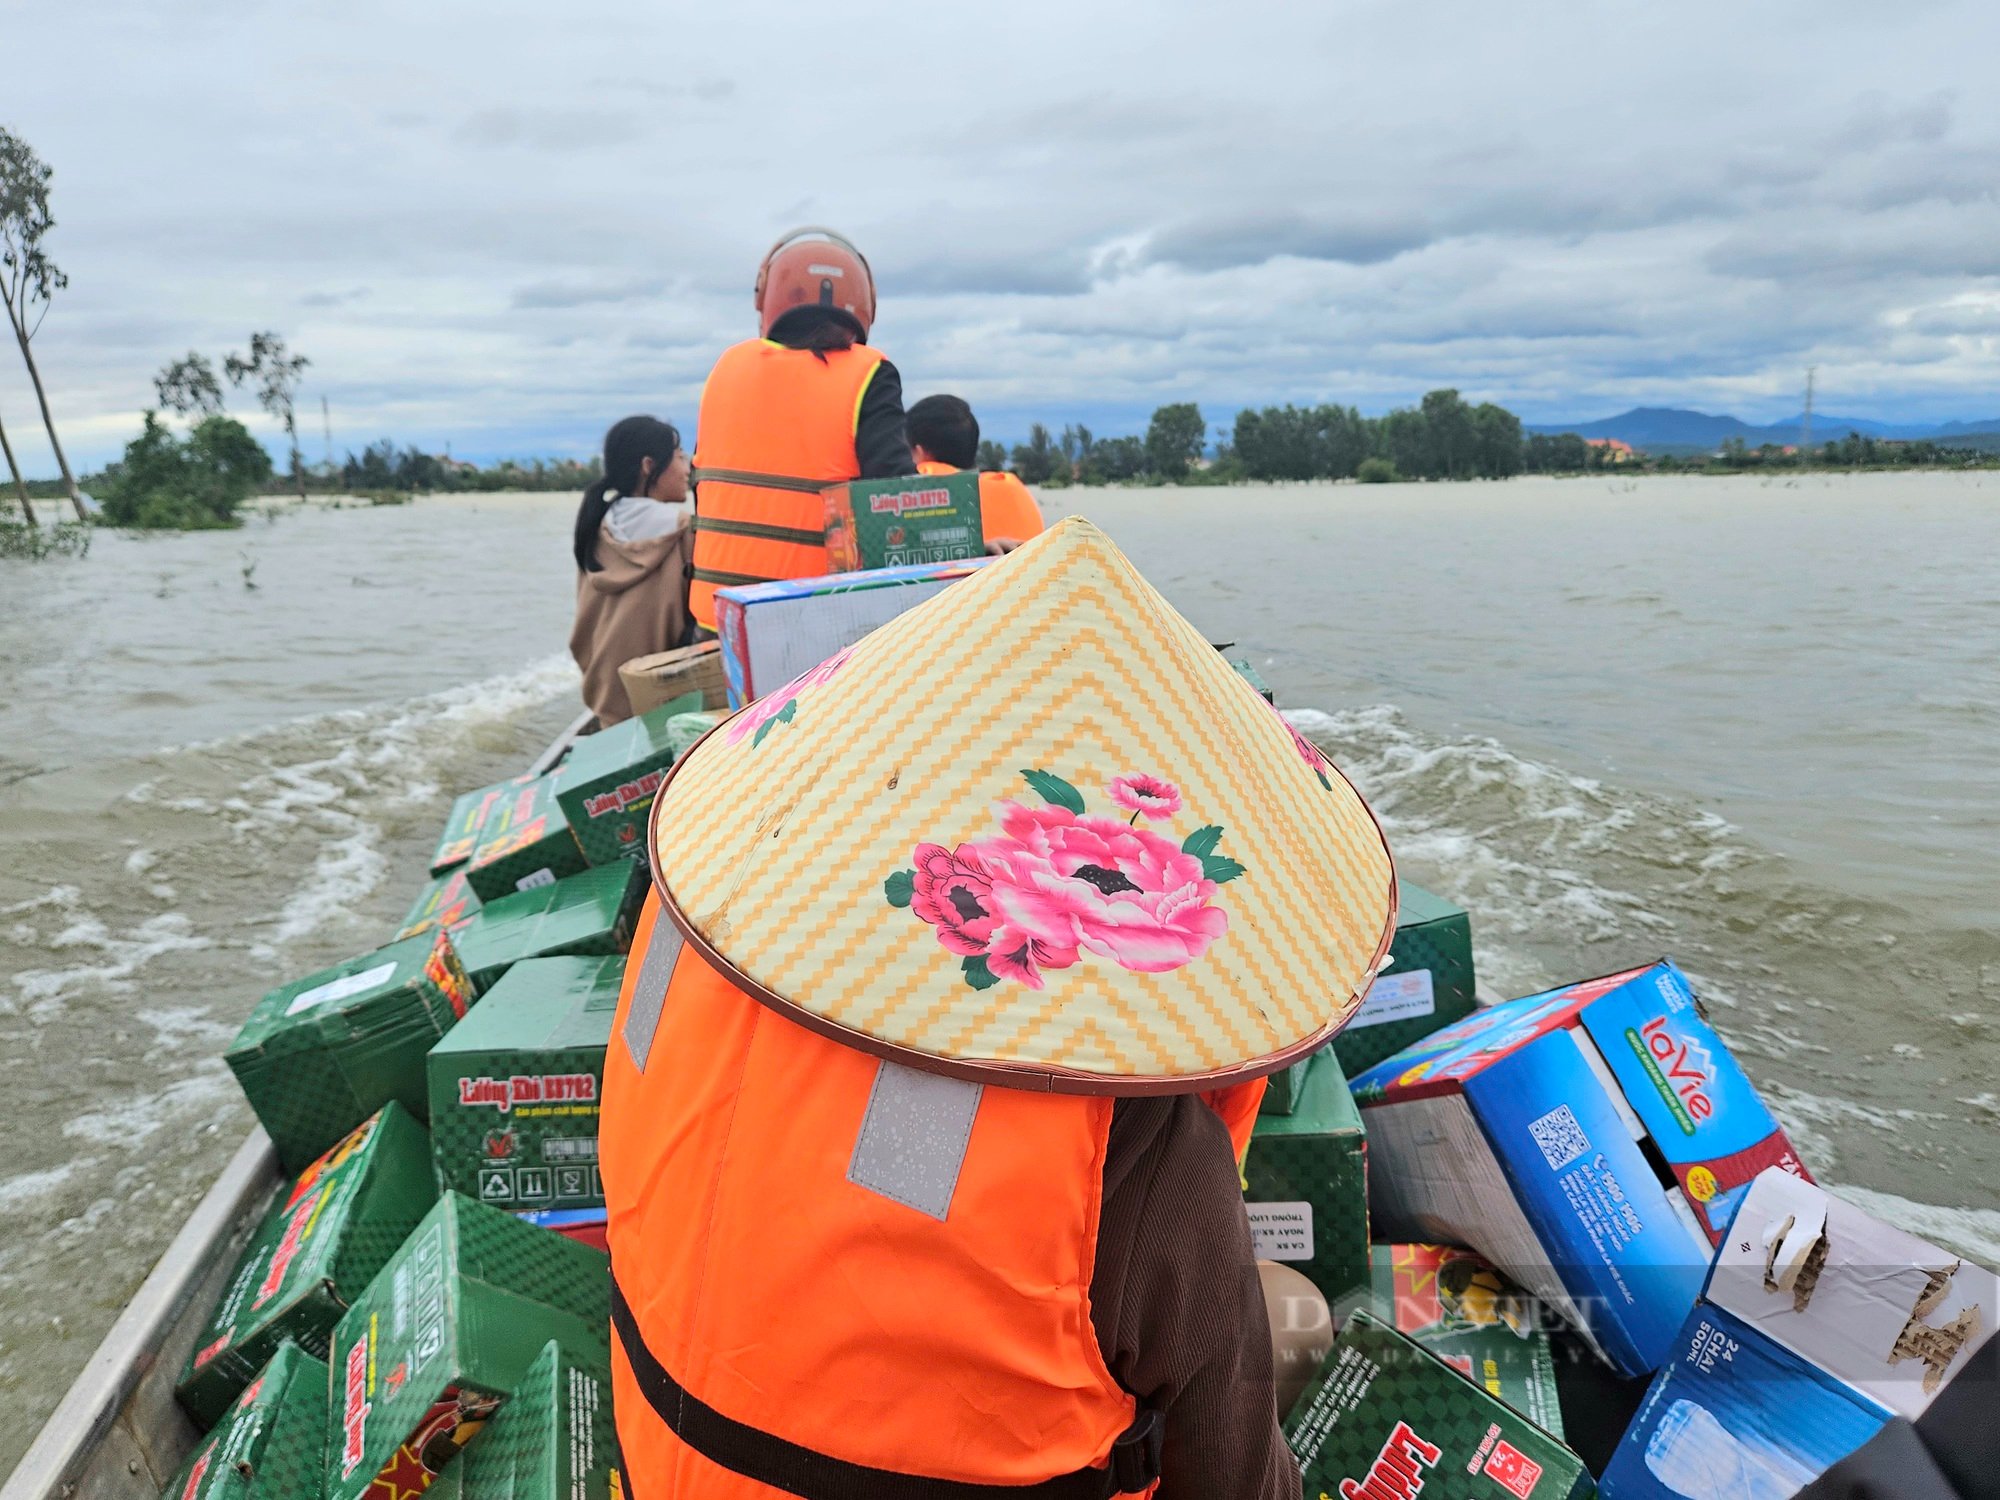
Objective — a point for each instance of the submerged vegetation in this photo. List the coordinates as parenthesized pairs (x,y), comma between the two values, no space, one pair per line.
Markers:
(18,539)
(184,484)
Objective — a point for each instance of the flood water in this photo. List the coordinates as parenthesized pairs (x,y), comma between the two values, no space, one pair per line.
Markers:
(1751,725)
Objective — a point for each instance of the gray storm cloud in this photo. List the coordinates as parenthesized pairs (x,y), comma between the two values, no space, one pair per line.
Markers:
(505,226)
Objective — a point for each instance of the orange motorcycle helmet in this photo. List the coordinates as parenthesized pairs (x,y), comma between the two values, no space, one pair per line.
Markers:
(813,266)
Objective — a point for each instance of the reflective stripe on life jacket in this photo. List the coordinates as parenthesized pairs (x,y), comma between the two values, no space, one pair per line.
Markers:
(776,426)
(841,1279)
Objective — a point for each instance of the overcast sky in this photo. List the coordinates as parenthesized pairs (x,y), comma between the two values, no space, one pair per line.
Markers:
(502,226)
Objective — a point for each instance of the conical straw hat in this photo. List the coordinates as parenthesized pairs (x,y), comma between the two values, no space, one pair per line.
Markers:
(1035,831)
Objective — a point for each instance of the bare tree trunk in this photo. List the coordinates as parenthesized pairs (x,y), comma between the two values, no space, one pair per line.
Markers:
(298,460)
(20,486)
(35,375)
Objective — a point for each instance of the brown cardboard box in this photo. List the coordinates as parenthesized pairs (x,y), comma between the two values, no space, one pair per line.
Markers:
(666,675)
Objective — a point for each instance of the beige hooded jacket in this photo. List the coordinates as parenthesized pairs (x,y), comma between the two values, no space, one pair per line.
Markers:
(634,605)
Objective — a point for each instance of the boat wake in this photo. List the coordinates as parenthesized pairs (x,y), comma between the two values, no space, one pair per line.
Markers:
(190,881)
(1827,997)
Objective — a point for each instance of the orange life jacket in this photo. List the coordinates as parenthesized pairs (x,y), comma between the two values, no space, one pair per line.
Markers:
(1006,506)
(776,425)
(840,1278)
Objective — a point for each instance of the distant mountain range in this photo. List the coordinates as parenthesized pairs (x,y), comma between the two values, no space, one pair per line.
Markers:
(1664,429)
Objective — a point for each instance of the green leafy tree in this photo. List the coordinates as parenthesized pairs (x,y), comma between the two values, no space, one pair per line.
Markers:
(1555,453)
(188,387)
(1118,459)
(992,456)
(276,372)
(1496,441)
(29,280)
(1175,438)
(1037,460)
(166,483)
(1377,471)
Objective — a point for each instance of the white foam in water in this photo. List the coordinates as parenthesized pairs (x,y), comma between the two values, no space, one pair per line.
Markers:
(1556,822)
(405,752)
(1971,1232)
(1534,853)
(363,759)
(120,955)
(361,764)
(131,1122)
(18,1191)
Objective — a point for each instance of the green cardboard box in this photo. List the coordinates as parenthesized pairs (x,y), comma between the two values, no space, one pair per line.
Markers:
(1281,1089)
(894,523)
(319,1245)
(515,1086)
(606,787)
(1385,1418)
(1305,1183)
(445,902)
(1460,1308)
(445,1331)
(320,1055)
(590,913)
(270,1444)
(524,842)
(553,1440)
(1425,986)
(468,814)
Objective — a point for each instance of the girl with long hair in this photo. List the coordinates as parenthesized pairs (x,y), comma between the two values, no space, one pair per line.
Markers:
(633,549)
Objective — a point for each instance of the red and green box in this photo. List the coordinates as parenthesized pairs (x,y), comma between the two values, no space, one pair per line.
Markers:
(1305,1184)
(1386,1417)
(553,1440)
(592,913)
(319,1245)
(444,1332)
(320,1055)
(445,902)
(524,842)
(607,785)
(894,523)
(467,817)
(270,1444)
(515,1087)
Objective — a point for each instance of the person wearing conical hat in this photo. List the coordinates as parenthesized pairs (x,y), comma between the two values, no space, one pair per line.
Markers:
(966,953)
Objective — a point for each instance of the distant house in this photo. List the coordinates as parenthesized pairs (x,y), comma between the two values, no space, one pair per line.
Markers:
(1614,451)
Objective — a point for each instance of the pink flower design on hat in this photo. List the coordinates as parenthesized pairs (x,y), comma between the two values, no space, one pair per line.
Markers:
(1145,796)
(1058,881)
(779,705)
(1308,751)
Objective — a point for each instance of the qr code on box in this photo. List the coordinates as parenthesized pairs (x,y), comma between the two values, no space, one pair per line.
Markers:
(1562,1140)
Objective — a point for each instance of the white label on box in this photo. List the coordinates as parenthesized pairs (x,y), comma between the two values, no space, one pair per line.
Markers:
(1281,1231)
(1396,997)
(340,989)
(541,877)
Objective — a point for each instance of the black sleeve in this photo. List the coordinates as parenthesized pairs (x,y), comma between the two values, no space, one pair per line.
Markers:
(1176,1304)
(880,445)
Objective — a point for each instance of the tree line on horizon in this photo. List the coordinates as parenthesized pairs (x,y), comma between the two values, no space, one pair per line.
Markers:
(1442,437)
